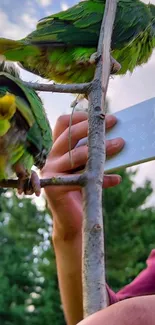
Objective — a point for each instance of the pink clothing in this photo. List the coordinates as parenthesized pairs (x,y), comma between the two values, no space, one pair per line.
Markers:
(143,284)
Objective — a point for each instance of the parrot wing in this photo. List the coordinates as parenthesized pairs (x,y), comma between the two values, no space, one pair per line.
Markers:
(62,41)
(80,25)
(39,139)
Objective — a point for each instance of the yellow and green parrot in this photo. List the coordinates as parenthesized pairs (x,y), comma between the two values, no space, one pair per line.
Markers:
(62,46)
(25,134)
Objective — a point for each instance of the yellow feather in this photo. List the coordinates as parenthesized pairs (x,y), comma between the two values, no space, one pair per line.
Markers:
(4,127)
(7,106)
(7,110)
(3,163)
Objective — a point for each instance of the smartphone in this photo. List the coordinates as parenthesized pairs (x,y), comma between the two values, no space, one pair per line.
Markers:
(136,125)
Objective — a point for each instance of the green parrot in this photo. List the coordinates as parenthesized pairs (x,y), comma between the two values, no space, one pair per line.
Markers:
(25,134)
(62,46)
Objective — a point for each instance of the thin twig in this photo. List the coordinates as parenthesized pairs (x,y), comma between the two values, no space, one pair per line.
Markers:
(55,181)
(94,285)
(69,88)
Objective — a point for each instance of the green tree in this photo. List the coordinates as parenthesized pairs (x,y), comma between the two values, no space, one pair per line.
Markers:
(29,292)
(28,281)
(129,235)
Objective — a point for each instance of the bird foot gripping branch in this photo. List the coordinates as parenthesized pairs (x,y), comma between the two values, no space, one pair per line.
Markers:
(61,46)
(115,66)
(27,184)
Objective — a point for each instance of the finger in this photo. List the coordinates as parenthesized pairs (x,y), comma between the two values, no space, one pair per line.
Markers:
(63,122)
(77,131)
(61,130)
(114,146)
(110,121)
(111,180)
(65,164)
(80,156)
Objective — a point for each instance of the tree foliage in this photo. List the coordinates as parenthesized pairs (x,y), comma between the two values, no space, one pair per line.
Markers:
(129,234)
(29,293)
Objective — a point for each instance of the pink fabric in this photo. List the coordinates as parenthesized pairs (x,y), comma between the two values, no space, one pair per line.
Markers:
(143,284)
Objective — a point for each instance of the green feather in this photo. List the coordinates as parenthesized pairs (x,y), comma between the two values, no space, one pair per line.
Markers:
(28,139)
(34,112)
(17,153)
(4,127)
(60,47)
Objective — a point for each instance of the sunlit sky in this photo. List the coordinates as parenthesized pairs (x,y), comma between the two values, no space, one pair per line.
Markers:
(19,17)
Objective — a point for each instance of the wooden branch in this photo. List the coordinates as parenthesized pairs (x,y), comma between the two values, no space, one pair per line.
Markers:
(94,285)
(53,181)
(69,88)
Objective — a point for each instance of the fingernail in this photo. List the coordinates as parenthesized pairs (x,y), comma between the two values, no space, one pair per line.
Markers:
(119,142)
(112,118)
(115,143)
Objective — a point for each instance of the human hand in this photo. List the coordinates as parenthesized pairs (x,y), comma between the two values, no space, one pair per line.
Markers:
(66,201)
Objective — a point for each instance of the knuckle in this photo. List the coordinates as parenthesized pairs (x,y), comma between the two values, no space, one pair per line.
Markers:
(74,154)
(79,156)
(61,123)
(71,133)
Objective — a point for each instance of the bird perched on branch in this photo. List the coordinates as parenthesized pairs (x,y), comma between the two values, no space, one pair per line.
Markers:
(63,45)
(25,134)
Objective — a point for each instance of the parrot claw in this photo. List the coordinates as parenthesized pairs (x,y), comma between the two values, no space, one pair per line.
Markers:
(115,66)
(94,58)
(30,185)
(27,184)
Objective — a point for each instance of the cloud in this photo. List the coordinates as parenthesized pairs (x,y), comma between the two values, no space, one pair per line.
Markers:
(29,21)
(45,3)
(132,88)
(64,6)
(9,29)
(148,1)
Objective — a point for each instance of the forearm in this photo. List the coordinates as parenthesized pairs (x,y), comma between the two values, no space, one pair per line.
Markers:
(68,259)
(67,242)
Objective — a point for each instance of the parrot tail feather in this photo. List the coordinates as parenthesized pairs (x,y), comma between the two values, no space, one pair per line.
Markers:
(8,44)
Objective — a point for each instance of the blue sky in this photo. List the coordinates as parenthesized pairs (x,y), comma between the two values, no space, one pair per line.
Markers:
(19,17)
(25,13)
(38,8)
